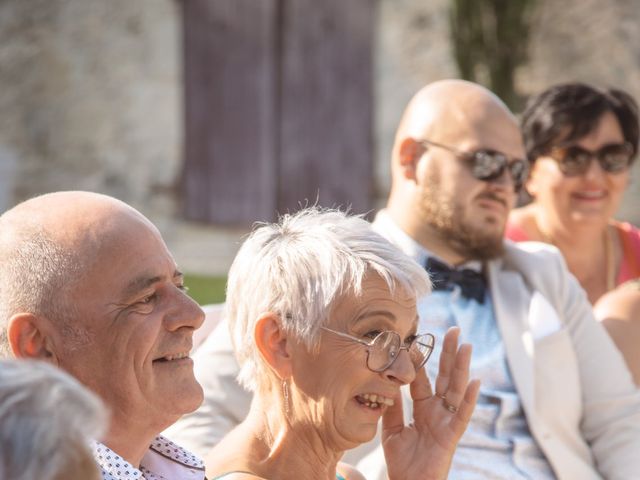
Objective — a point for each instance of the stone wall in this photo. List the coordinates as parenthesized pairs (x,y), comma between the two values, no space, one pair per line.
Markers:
(91,98)
(412,49)
(587,40)
(91,94)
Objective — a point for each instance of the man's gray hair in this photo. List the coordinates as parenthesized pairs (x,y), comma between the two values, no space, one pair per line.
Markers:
(35,274)
(48,421)
(299,268)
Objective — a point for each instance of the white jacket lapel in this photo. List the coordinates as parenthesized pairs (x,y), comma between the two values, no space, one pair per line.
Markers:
(511,304)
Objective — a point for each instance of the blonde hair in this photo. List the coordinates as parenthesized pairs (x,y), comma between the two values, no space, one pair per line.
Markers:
(298,268)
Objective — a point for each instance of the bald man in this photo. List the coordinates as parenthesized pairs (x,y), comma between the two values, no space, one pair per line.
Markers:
(557,400)
(87,284)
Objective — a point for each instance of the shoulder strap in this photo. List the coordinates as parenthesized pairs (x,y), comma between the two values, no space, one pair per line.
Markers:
(630,239)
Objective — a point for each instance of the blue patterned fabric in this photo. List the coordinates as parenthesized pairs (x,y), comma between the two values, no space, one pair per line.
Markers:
(163,461)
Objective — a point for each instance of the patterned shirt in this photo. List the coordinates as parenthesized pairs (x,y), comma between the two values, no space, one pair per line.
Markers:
(163,461)
(497,443)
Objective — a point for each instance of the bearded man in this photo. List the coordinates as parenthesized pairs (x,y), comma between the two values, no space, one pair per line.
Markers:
(557,400)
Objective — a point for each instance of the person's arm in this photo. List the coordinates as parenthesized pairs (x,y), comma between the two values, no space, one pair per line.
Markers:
(611,402)
(619,312)
(225,404)
(424,449)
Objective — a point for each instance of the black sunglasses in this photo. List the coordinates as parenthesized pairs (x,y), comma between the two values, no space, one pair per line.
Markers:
(574,160)
(489,165)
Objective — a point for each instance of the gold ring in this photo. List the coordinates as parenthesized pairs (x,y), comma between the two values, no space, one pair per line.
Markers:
(449,407)
(423,398)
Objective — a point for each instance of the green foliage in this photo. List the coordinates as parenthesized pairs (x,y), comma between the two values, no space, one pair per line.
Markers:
(205,289)
(490,41)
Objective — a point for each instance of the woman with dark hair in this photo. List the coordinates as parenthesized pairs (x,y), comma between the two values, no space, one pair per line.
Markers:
(581,142)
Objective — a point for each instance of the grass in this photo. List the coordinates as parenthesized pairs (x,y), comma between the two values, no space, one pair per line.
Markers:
(204,289)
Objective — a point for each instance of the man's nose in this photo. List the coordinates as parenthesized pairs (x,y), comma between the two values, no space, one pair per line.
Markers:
(505,179)
(185,312)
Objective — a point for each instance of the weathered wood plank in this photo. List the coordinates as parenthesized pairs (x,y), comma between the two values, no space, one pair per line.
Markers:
(326,145)
(230,173)
(278,107)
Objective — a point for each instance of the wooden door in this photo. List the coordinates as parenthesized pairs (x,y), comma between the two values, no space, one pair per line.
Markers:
(278,107)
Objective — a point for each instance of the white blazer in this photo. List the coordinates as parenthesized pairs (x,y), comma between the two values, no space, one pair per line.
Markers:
(580,401)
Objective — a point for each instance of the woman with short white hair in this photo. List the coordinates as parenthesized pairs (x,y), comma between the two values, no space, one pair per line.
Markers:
(47,421)
(322,313)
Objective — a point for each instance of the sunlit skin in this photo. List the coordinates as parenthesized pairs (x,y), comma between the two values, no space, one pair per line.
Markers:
(619,312)
(130,313)
(573,212)
(305,435)
(467,117)
(327,385)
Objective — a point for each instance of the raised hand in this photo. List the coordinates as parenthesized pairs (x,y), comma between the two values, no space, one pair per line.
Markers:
(424,449)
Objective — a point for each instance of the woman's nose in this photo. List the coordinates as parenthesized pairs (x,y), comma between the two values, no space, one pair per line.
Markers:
(402,369)
(594,170)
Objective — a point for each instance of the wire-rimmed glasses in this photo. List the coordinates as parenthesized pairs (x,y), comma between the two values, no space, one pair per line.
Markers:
(383,350)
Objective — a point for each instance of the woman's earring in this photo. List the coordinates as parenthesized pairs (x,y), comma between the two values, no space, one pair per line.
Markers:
(285,394)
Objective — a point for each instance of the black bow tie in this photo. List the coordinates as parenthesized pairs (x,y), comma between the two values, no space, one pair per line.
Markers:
(472,283)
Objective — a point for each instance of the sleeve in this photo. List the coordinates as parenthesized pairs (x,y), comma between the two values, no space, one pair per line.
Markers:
(225,404)
(611,402)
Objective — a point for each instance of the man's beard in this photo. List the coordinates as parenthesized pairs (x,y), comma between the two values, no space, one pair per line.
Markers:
(447,218)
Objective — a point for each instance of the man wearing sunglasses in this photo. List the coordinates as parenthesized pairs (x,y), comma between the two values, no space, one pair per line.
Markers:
(556,398)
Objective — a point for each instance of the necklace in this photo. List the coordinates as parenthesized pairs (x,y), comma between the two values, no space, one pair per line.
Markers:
(609,260)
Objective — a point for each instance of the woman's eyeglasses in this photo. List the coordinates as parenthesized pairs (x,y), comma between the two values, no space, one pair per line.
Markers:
(574,160)
(489,165)
(383,350)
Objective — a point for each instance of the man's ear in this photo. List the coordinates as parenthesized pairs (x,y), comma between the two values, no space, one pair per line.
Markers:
(27,337)
(409,154)
(272,343)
